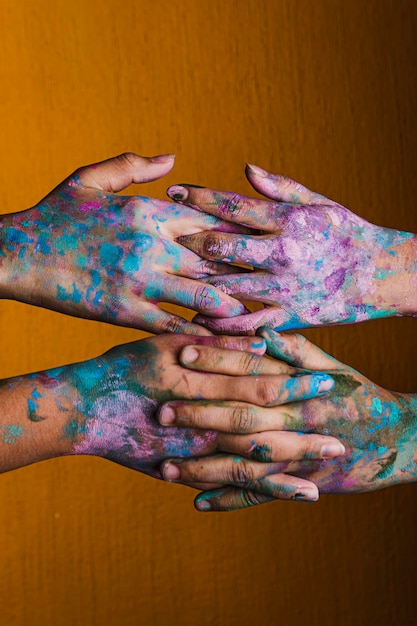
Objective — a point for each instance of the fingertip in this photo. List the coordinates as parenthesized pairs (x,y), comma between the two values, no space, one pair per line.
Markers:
(255,170)
(188,355)
(332,450)
(321,383)
(166,415)
(202,505)
(169,471)
(178,193)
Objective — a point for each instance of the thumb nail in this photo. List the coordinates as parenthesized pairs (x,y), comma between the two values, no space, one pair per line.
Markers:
(162,158)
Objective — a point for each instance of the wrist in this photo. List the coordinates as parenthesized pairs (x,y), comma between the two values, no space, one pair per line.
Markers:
(394,283)
(16,250)
(406,443)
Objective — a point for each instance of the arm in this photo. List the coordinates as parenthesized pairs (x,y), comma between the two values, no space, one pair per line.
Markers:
(88,252)
(107,406)
(377,427)
(315,262)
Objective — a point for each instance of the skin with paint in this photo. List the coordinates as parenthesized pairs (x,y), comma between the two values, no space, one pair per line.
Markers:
(108,406)
(377,427)
(314,262)
(88,252)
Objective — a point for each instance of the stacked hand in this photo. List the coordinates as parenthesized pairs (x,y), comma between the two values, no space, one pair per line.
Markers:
(315,263)
(86,251)
(378,429)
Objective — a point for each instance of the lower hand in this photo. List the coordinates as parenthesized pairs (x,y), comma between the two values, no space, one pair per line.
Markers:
(117,397)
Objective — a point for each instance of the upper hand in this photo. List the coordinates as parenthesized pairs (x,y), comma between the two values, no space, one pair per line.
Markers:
(315,262)
(378,429)
(89,252)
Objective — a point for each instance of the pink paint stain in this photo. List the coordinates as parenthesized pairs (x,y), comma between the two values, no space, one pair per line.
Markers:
(89,206)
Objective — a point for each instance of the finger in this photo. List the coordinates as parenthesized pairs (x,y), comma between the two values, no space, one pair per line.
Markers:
(229,499)
(283,487)
(202,269)
(121,171)
(276,390)
(253,287)
(193,295)
(232,207)
(190,265)
(280,447)
(155,320)
(232,362)
(298,351)
(282,188)
(273,317)
(231,248)
(218,470)
(255,345)
(234,417)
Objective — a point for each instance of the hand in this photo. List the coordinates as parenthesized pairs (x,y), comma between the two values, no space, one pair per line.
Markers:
(315,262)
(119,395)
(377,427)
(86,251)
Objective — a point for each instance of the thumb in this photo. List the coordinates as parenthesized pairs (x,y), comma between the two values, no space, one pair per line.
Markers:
(282,188)
(297,350)
(121,171)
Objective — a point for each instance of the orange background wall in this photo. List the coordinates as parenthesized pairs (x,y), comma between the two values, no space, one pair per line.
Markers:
(324,91)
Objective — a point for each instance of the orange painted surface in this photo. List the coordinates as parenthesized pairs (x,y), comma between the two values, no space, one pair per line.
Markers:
(323,91)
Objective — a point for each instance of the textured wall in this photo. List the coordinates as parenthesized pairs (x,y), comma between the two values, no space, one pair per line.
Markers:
(323,91)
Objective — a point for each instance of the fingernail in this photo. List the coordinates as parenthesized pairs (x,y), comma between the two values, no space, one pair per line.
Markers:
(307,494)
(176,192)
(167,415)
(321,383)
(258,171)
(189,355)
(332,449)
(194,186)
(170,472)
(162,158)
(203,505)
(258,342)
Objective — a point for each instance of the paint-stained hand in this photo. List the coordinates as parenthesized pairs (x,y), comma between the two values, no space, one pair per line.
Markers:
(314,261)
(116,399)
(89,252)
(377,427)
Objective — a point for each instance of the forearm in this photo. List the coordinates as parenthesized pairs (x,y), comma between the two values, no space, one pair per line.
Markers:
(39,419)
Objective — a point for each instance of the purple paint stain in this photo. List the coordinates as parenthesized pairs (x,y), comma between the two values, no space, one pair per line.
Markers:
(335,281)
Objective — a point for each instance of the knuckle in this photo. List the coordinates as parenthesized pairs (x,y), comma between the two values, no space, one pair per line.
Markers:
(127,158)
(241,471)
(173,325)
(233,206)
(215,245)
(249,363)
(309,448)
(250,498)
(205,298)
(192,418)
(241,420)
(266,392)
